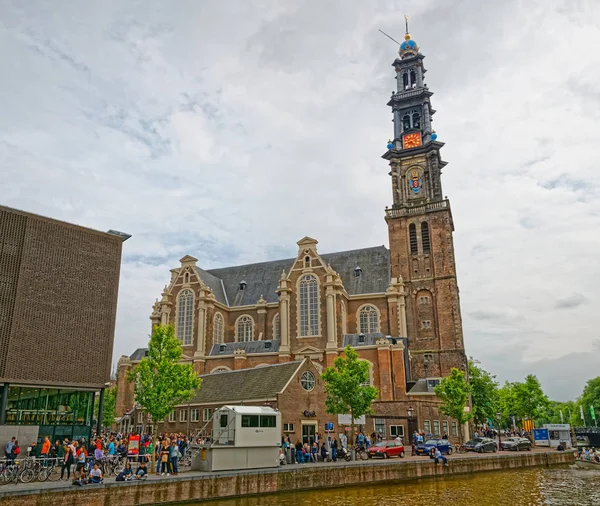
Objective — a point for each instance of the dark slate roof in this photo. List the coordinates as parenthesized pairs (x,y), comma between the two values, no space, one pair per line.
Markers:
(138,354)
(375,265)
(248,347)
(353,340)
(263,278)
(246,384)
(213,283)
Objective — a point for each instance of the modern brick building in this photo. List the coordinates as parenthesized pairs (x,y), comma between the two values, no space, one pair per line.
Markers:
(399,306)
(58,298)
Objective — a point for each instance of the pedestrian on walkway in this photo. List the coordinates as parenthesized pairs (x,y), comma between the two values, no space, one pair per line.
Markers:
(67,463)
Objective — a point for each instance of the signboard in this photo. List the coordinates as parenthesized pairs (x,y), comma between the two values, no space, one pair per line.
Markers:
(134,445)
(541,437)
(557,426)
(329,426)
(345,420)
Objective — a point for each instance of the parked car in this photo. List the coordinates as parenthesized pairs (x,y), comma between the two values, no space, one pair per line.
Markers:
(516,444)
(481,445)
(442,444)
(387,449)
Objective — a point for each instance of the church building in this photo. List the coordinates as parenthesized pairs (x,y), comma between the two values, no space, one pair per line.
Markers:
(398,307)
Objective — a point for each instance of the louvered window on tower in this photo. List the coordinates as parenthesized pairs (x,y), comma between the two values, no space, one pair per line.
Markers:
(406,123)
(413,78)
(412,233)
(425,237)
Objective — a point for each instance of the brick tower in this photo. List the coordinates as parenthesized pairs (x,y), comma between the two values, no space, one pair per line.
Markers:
(420,225)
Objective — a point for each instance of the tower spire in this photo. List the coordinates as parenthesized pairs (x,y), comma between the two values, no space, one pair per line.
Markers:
(406,22)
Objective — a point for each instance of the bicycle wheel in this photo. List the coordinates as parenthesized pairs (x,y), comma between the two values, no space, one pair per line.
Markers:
(43,474)
(53,473)
(118,469)
(364,455)
(27,476)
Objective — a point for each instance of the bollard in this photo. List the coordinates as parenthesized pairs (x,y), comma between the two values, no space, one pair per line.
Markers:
(288,455)
(353,454)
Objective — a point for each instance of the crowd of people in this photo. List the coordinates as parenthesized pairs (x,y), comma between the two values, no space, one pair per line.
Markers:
(87,460)
(589,454)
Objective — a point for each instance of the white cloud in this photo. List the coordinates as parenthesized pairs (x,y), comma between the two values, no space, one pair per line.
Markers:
(231,133)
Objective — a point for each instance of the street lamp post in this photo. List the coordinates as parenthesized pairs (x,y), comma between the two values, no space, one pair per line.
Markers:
(499,417)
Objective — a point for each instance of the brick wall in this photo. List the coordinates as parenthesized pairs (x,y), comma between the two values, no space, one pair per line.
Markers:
(64,305)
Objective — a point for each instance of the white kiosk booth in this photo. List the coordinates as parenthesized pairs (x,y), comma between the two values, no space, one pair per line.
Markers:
(243,437)
(558,432)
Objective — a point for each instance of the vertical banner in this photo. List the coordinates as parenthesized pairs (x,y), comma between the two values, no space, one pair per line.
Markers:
(581,413)
(562,418)
(592,413)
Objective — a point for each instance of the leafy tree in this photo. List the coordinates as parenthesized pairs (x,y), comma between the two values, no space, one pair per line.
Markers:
(530,399)
(454,393)
(591,397)
(109,408)
(507,403)
(484,394)
(160,381)
(347,386)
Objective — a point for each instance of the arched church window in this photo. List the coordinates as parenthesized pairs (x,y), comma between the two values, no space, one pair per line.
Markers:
(405,80)
(309,306)
(245,329)
(425,237)
(413,78)
(368,320)
(416,120)
(406,122)
(185,317)
(218,327)
(276,327)
(412,235)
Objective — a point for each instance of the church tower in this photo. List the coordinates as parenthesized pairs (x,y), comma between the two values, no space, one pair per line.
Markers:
(420,225)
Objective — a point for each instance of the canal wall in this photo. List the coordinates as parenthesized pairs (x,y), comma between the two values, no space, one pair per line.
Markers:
(289,478)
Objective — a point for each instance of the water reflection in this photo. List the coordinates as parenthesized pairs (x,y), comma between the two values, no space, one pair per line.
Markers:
(563,486)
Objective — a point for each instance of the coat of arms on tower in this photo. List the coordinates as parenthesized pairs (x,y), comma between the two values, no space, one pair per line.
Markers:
(416,183)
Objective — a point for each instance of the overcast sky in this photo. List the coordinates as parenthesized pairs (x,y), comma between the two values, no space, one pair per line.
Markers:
(229,130)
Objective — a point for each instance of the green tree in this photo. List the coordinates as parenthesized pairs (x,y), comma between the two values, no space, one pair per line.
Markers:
(454,393)
(590,397)
(507,403)
(109,408)
(347,387)
(161,382)
(484,394)
(530,400)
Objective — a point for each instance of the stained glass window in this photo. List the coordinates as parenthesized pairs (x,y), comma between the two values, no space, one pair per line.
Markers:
(309,306)
(218,329)
(185,317)
(368,322)
(245,329)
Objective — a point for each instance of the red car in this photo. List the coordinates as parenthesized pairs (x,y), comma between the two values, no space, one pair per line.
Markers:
(386,449)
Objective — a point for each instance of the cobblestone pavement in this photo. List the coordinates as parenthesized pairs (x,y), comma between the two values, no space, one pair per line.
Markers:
(31,487)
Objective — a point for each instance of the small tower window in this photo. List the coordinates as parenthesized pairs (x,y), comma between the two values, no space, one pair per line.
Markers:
(357,272)
(243,285)
(413,79)
(307,262)
(416,120)
(406,122)
(405,80)
(412,234)
(425,237)
(186,278)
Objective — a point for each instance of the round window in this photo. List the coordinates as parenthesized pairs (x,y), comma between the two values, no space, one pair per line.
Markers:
(308,381)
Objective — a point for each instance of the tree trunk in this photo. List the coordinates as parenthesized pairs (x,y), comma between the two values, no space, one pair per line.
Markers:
(154,445)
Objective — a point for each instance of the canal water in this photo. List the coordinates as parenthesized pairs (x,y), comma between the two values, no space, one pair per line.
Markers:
(558,486)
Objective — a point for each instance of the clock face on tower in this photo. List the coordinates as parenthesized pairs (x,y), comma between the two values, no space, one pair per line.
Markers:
(411,140)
